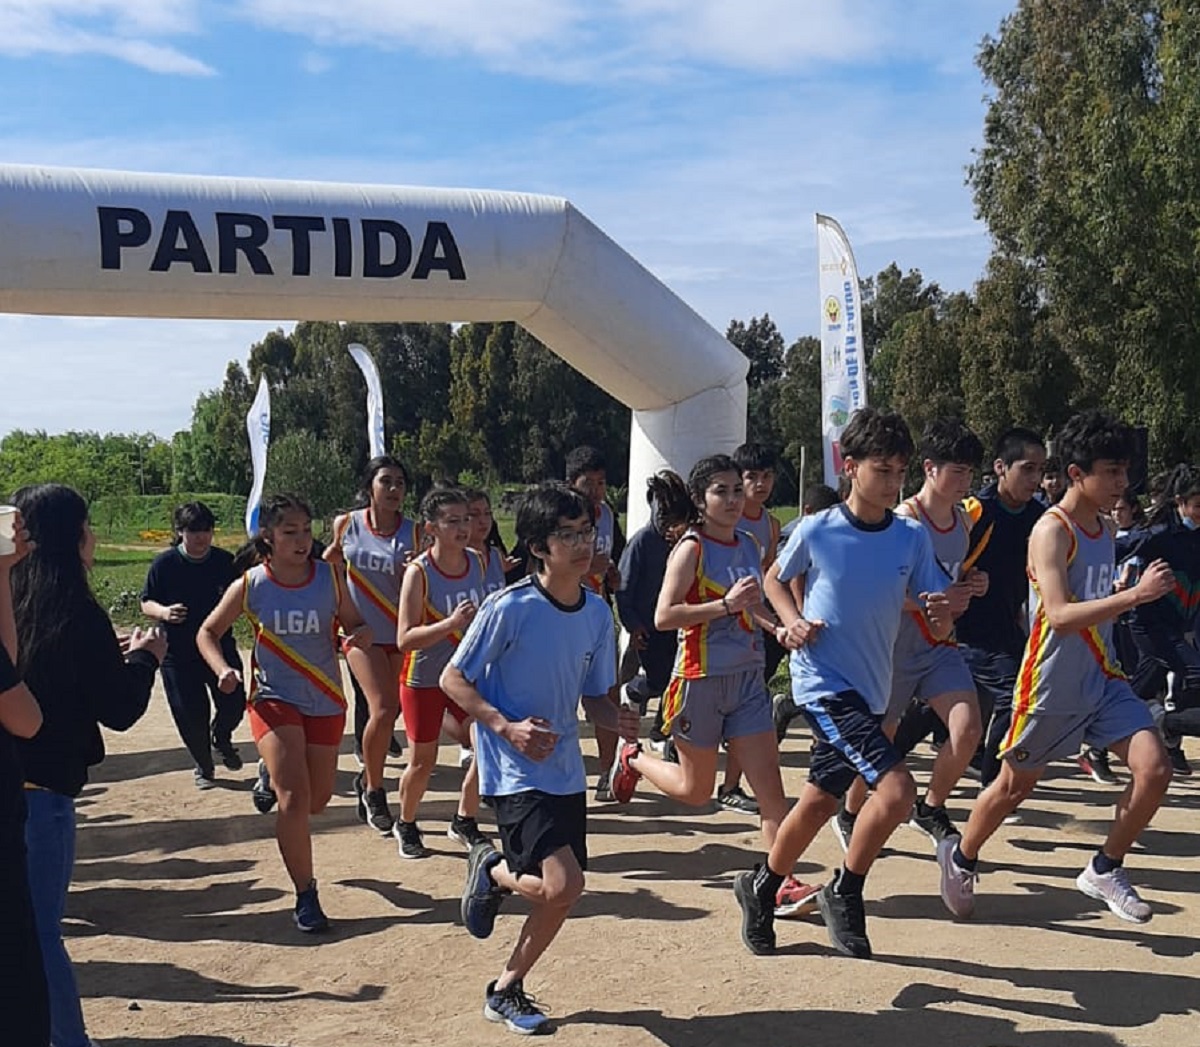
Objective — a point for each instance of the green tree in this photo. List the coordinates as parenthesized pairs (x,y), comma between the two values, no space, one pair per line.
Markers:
(318,470)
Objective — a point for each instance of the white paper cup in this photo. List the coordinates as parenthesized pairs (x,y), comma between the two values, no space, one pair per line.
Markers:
(8,526)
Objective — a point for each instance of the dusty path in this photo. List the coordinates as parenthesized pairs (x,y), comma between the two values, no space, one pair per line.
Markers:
(179,926)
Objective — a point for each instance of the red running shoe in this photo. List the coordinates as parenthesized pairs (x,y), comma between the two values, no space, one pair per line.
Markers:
(795,899)
(624,778)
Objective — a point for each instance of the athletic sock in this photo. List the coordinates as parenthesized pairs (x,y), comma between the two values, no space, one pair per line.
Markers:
(962,861)
(767,883)
(848,883)
(1103,864)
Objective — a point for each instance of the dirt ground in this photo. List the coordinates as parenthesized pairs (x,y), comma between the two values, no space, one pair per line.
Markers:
(179,925)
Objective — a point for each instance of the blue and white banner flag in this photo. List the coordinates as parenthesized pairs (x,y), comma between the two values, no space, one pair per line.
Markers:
(374,397)
(843,365)
(258,428)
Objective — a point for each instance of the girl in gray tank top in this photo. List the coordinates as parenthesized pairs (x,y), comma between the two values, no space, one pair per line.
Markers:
(297,709)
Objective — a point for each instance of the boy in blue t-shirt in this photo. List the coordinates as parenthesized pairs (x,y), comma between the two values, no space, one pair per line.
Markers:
(850,569)
(528,656)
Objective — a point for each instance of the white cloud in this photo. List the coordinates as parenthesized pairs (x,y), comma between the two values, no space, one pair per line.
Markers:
(127,31)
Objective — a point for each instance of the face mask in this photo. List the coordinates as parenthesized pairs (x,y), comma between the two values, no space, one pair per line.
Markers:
(1188,522)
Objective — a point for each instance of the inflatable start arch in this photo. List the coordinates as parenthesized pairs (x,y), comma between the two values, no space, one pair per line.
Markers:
(101,243)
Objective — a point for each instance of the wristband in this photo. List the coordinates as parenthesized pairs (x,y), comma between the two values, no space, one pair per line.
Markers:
(725,604)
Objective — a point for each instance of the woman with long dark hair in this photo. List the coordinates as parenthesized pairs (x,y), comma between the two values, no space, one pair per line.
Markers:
(69,655)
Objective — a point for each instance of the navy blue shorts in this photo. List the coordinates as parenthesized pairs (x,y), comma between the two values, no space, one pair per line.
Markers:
(848,742)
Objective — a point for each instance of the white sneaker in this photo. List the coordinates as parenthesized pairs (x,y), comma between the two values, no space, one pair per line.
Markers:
(1115,890)
(1016,818)
(957,885)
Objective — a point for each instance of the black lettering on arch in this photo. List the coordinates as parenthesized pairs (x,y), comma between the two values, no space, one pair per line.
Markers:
(177,225)
(301,227)
(120,227)
(245,233)
(438,236)
(374,230)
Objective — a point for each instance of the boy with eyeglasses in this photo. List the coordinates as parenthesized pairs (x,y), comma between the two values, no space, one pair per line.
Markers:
(532,651)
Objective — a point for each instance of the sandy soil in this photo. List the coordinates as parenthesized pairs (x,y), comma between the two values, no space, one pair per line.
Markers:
(179,925)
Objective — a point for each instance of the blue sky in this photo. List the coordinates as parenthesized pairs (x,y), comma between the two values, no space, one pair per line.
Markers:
(700,134)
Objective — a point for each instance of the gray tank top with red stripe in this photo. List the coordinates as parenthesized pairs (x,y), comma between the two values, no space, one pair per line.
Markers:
(950,548)
(443,593)
(1065,672)
(374,569)
(294,659)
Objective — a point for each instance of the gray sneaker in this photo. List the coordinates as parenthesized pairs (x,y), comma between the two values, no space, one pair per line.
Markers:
(1114,889)
(957,884)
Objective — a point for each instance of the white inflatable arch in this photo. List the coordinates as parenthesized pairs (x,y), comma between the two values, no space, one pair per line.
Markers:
(101,243)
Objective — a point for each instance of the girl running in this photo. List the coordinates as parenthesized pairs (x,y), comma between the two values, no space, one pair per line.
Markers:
(297,709)
(486,541)
(372,545)
(712,593)
(442,590)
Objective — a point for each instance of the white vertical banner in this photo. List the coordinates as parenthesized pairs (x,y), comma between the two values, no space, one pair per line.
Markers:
(843,365)
(374,397)
(258,428)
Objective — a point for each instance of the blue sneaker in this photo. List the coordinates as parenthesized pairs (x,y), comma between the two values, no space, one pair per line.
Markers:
(308,915)
(515,1009)
(481,897)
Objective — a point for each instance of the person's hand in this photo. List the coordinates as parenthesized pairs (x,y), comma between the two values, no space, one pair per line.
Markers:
(743,594)
(612,577)
(801,632)
(628,723)
(22,545)
(362,638)
(510,564)
(152,640)
(229,680)
(532,737)
(938,611)
(639,638)
(462,615)
(176,613)
(959,595)
(1157,580)
(978,581)
(333,554)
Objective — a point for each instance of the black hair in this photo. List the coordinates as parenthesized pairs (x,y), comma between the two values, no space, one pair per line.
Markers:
(701,476)
(582,460)
(1180,484)
(436,500)
(372,469)
(948,441)
(1011,444)
(191,516)
(539,511)
(49,586)
(755,456)
(818,497)
(669,500)
(872,433)
(271,512)
(477,494)
(1053,465)
(1091,436)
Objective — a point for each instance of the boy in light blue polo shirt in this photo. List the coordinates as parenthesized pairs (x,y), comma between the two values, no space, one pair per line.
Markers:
(850,569)
(533,650)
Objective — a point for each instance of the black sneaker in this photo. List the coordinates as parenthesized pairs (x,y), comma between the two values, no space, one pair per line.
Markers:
(466,831)
(735,799)
(516,1009)
(846,921)
(1179,763)
(360,808)
(1094,763)
(481,896)
(410,839)
(394,747)
(261,791)
(204,778)
(308,914)
(230,757)
(758,920)
(783,712)
(604,793)
(670,753)
(936,824)
(375,812)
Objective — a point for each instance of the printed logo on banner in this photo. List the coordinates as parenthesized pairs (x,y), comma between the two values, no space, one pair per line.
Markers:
(833,311)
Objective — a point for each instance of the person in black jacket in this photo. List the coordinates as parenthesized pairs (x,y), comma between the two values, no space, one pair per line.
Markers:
(72,661)
(23,998)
